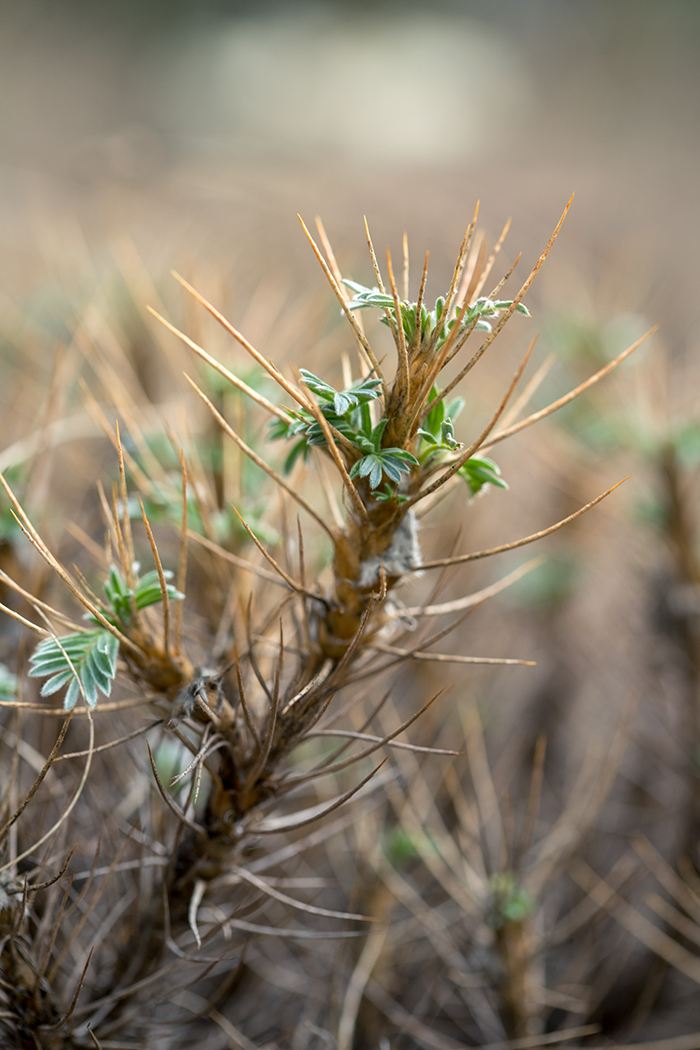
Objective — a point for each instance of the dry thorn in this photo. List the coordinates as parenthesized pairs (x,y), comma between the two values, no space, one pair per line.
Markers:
(404,369)
(67,811)
(405,266)
(528,393)
(464,456)
(41,631)
(161,578)
(172,806)
(198,892)
(39,545)
(419,303)
(378,742)
(255,458)
(491,260)
(473,268)
(536,416)
(274,826)
(74,1002)
(369,957)
(126,526)
(182,560)
(96,413)
(37,783)
(234,559)
(373,257)
(262,361)
(342,470)
(311,909)
(233,379)
(470,600)
(362,339)
(505,317)
(382,740)
(266,744)
(456,275)
(335,269)
(112,743)
(95,1041)
(447,658)
(278,568)
(460,559)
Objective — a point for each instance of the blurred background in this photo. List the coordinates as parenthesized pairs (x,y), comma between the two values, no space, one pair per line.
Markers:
(209,124)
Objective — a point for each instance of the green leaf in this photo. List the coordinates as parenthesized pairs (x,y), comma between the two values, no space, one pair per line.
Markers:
(56,682)
(390,461)
(369,466)
(93,656)
(480,472)
(434,419)
(378,433)
(430,438)
(342,400)
(147,592)
(389,494)
(454,408)
(447,433)
(318,386)
(300,449)
(509,903)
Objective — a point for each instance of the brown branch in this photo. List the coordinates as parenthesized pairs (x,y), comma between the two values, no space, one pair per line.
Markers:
(462,558)
(555,405)
(462,459)
(161,578)
(277,478)
(255,354)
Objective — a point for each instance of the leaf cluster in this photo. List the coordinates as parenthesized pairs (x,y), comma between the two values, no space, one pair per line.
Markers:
(122,599)
(88,661)
(433,321)
(509,902)
(348,412)
(378,461)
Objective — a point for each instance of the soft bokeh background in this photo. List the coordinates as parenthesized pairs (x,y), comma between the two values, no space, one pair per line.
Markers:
(210,124)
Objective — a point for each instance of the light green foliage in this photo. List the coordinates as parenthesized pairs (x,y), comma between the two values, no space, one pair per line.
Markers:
(388,494)
(437,432)
(430,320)
(355,423)
(378,461)
(361,394)
(478,472)
(349,413)
(122,598)
(509,903)
(87,660)
(437,439)
(401,845)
